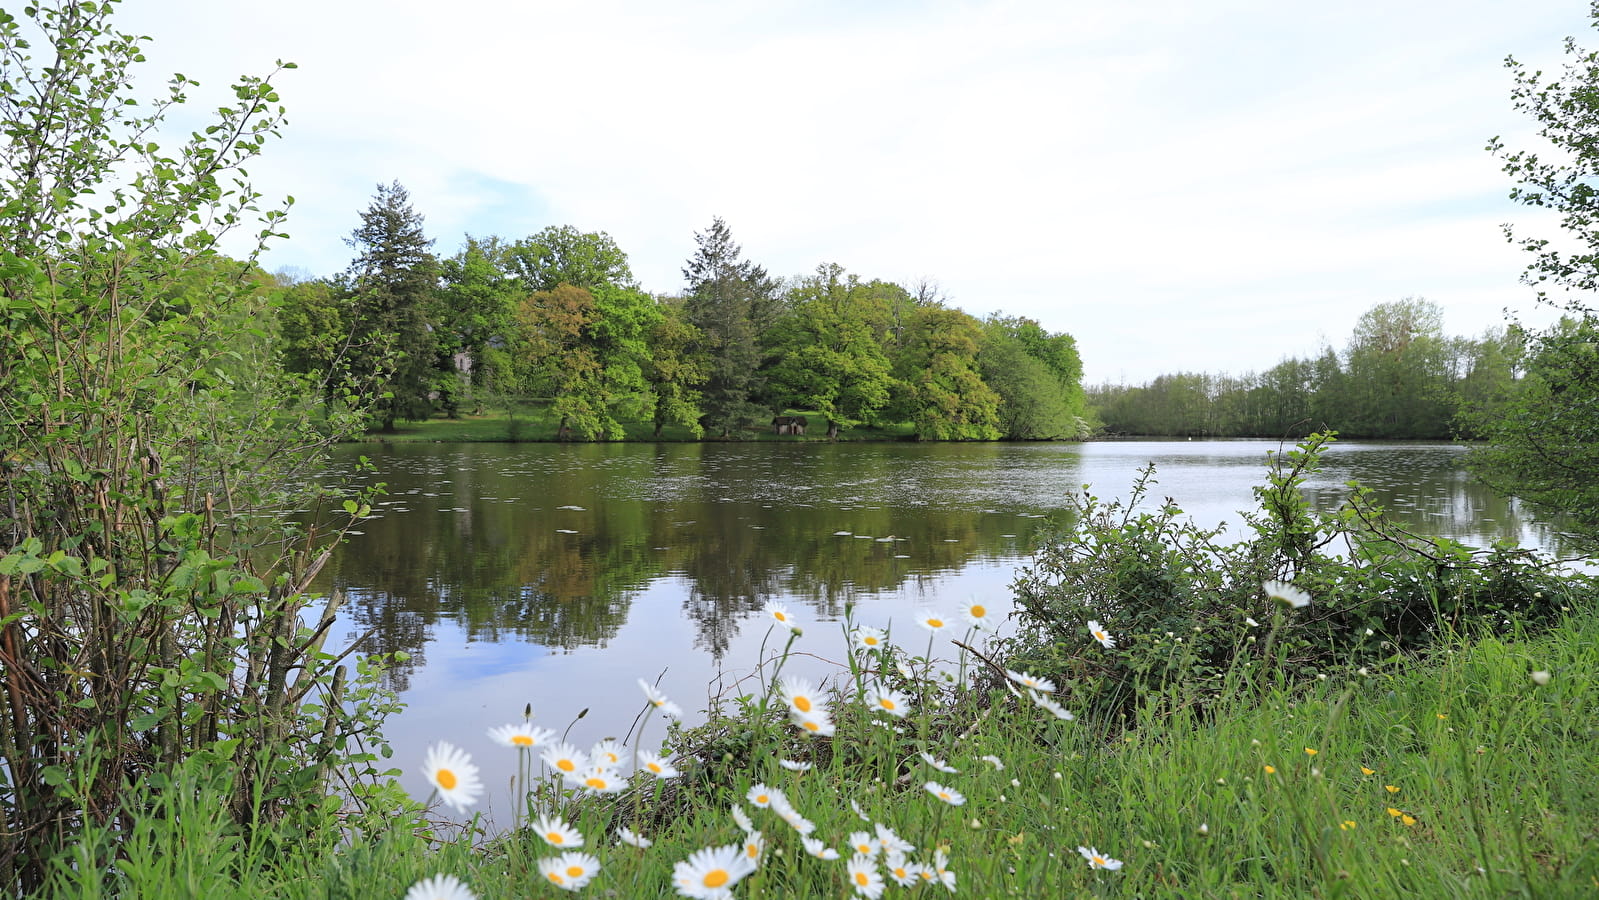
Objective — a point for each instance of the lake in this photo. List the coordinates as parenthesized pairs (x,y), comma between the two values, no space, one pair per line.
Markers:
(559,574)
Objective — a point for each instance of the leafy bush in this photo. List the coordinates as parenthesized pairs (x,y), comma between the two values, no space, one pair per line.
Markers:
(1188,611)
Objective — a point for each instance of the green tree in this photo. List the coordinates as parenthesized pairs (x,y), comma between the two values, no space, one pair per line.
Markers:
(151,612)
(729,298)
(1540,444)
(1397,376)
(392,281)
(1038,377)
(826,350)
(586,351)
(675,369)
(564,255)
(942,392)
(475,315)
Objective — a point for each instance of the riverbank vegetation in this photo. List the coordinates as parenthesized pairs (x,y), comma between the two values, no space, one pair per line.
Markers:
(1414,718)
(1254,739)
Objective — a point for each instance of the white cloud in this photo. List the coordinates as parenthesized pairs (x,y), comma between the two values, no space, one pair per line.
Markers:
(1179,185)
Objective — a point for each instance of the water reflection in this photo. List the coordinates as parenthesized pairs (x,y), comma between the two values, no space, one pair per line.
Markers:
(558,575)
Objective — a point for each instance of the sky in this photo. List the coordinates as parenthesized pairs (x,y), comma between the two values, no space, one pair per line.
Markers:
(1181,186)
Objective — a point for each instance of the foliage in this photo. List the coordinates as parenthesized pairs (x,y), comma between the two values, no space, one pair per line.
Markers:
(151,605)
(564,255)
(586,351)
(1543,434)
(827,351)
(1398,377)
(1185,600)
(392,282)
(729,301)
(1038,377)
(942,392)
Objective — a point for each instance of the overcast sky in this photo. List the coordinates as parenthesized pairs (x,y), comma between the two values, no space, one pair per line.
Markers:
(1182,186)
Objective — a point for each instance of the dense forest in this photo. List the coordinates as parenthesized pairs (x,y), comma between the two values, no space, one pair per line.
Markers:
(1398,377)
(556,322)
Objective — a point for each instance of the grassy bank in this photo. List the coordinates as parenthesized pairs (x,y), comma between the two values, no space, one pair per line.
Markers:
(532,426)
(1468,773)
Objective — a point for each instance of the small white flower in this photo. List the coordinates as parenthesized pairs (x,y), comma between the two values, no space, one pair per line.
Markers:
(439,887)
(570,871)
(892,842)
(452,775)
(864,877)
(938,764)
(947,794)
(742,818)
(932,621)
(1286,594)
(1031,682)
(977,614)
(859,814)
(816,848)
(764,796)
(869,638)
(794,765)
(886,699)
(557,833)
(522,737)
(1251,622)
(863,843)
(1541,677)
(1060,712)
(659,701)
(626,835)
(1097,860)
(1100,634)
(779,613)
(657,765)
(996,762)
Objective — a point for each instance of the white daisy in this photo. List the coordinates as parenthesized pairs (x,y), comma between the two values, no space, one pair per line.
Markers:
(932,621)
(557,833)
(522,737)
(626,835)
(978,614)
(754,846)
(598,780)
(657,765)
(764,796)
(904,872)
(864,877)
(1100,634)
(892,842)
(742,818)
(779,613)
(941,870)
(439,887)
(1286,594)
(1031,682)
(564,758)
(947,794)
(610,753)
(794,765)
(869,638)
(659,701)
(710,873)
(859,813)
(452,775)
(885,699)
(816,848)
(1059,711)
(570,871)
(996,762)
(819,725)
(1097,860)
(863,843)
(802,696)
(939,764)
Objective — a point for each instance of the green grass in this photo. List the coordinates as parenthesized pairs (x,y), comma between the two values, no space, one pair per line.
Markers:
(499,427)
(1494,777)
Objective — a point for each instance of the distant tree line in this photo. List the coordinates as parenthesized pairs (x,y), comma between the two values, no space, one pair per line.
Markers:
(1398,377)
(556,320)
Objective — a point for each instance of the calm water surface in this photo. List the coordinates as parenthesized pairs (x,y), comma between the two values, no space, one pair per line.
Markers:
(558,575)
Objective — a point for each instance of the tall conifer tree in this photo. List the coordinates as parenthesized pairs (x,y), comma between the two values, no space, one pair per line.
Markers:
(729,300)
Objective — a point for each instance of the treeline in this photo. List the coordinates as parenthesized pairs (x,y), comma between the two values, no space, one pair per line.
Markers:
(1399,377)
(556,320)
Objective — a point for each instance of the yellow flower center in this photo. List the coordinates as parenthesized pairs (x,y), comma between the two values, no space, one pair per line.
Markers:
(446,779)
(566,765)
(555,837)
(943,795)
(654,767)
(1099,861)
(936,623)
(979,611)
(886,703)
(1099,635)
(803,704)
(716,878)
(521,740)
(870,641)
(899,873)
(599,784)
(556,877)
(762,799)
(861,879)
(574,871)
(752,850)
(781,617)
(812,726)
